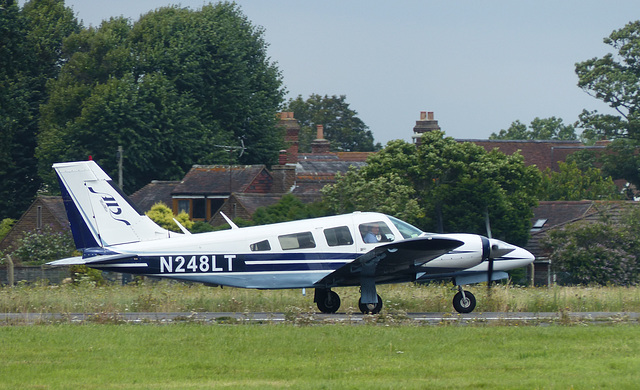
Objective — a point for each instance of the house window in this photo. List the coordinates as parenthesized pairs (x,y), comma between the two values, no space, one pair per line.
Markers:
(184,205)
(199,209)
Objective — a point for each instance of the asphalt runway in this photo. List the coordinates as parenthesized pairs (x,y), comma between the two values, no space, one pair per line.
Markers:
(319,318)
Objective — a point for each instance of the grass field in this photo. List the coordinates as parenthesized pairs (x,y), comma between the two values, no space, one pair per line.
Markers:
(178,297)
(196,356)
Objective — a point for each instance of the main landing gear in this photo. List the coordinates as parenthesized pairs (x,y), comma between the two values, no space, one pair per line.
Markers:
(464,301)
(329,302)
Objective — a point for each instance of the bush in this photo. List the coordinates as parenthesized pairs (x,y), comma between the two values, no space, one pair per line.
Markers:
(37,248)
(604,252)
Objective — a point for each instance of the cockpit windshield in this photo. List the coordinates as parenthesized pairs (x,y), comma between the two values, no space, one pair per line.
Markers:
(407,230)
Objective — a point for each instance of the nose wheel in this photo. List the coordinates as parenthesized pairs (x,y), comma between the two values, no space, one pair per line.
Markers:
(370,308)
(464,301)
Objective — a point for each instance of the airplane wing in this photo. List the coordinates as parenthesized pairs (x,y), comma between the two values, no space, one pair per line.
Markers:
(393,262)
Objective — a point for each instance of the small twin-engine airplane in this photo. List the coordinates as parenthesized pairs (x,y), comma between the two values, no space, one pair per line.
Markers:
(359,249)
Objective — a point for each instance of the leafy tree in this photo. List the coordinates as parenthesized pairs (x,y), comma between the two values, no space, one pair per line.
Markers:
(169,88)
(37,248)
(604,252)
(342,127)
(5,226)
(614,79)
(288,208)
(453,187)
(161,214)
(539,129)
(29,57)
(572,183)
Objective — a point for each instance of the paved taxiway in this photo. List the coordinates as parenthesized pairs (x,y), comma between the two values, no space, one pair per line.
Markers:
(346,318)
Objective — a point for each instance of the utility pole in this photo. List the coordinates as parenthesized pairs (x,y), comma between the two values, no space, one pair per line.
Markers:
(120,157)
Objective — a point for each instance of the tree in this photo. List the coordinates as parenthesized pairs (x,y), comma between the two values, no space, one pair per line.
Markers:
(29,57)
(288,208)
(614,79)
(539,129)
(171,88)
(161,214)
(444,186)
(342,127)
(572,183)
(604,252)
(36,248)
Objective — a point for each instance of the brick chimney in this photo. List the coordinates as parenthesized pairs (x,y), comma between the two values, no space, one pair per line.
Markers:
(320,145)
(425,124)
(291,137)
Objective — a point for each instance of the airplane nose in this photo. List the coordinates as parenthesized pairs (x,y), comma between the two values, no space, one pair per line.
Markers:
(500,248)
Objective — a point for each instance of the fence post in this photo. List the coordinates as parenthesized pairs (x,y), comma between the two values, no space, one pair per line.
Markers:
(10,275)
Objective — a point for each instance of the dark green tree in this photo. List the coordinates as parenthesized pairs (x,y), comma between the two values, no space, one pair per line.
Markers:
(31,42)
(171,88)
(342,127)
(444,186)
(615,79)
(539,129)
(572,183)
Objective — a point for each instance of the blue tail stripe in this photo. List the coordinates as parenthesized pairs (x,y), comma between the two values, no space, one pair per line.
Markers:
(82,235)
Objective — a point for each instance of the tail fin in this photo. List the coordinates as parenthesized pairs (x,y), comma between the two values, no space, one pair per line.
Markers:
(100,214)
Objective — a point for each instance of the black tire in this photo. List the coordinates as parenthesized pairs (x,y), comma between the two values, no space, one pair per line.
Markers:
(464,305)
(366,310)
(328,302)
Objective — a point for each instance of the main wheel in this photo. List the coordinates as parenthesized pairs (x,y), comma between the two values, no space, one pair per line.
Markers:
(370,308)
(464,304)
(329,302)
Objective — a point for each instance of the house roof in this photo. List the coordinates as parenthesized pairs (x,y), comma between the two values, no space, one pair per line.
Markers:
(561,213)
(543,153)
(218,179)
(154,192)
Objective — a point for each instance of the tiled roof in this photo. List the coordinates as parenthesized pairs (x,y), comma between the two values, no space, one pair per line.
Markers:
(154,192)
(217,179)
(561,213)
(543,153)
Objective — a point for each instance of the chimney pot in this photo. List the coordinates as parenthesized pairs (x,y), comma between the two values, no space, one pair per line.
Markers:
(430,115)
(320,132)
(423,115)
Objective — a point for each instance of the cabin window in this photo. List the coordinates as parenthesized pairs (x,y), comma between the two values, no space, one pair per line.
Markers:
(407,230)
(373,232)
(338,236)
(261,246)
(297,241)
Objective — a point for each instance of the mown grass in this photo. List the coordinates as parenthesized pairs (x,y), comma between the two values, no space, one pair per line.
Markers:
(195,356)
(177,297)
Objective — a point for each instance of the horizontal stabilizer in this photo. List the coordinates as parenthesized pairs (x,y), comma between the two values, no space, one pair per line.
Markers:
(78,260)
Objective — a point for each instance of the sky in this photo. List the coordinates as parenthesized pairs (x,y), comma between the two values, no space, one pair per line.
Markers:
(478,65)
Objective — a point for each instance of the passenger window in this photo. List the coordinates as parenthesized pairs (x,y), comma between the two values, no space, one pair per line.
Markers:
(297,241)
(338,236)
(261,246)
(373,232)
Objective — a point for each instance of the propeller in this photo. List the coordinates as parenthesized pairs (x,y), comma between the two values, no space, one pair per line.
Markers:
(490,255)
(493,249)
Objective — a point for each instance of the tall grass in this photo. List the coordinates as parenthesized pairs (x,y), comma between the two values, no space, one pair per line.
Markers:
(167,296)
